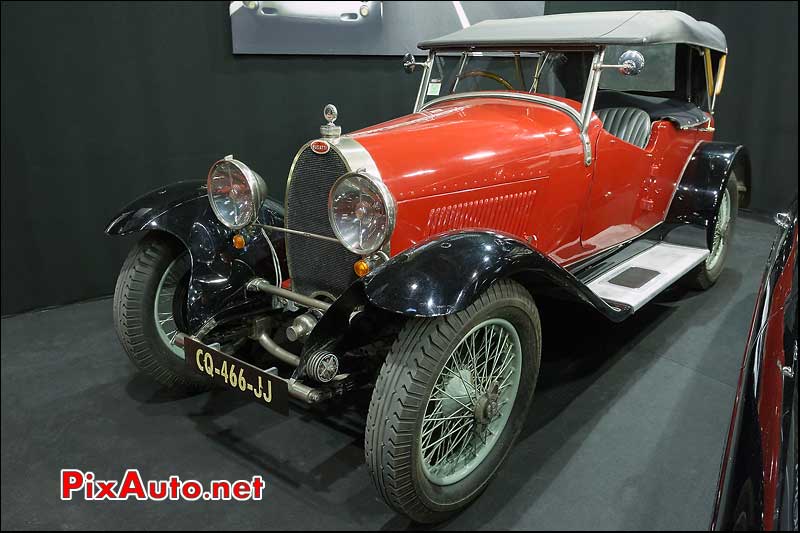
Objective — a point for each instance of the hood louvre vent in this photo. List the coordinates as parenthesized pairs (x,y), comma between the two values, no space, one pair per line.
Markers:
(508,213)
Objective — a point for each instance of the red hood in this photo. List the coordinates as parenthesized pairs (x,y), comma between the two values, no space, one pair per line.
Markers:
(464,144)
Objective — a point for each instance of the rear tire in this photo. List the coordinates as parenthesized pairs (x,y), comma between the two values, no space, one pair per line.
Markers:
(707,272)
(142,277)
(427,391)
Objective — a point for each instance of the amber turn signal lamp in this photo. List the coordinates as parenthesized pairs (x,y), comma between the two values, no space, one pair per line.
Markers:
(238,241)
(361,267)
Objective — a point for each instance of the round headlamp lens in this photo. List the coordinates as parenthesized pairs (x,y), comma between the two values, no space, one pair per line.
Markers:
(235,193)
(361,212)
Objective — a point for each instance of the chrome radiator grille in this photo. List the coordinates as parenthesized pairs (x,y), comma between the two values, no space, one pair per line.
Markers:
(315,265)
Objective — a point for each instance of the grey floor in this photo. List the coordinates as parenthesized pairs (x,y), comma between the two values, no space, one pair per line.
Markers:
(626,430)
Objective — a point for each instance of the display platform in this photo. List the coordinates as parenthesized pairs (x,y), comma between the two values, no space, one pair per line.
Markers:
(626,429)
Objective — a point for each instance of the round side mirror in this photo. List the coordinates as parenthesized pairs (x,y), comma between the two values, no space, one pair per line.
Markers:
(409,63)
(632,63)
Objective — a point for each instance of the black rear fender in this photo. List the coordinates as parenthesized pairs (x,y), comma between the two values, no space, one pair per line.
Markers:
(692,215)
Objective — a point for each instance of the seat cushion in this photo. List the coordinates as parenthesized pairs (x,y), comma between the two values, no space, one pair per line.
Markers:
(630,124)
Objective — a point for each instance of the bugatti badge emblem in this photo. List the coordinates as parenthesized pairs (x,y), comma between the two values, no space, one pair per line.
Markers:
(320,147)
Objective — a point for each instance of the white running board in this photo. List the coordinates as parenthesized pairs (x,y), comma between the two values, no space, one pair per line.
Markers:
(639,279)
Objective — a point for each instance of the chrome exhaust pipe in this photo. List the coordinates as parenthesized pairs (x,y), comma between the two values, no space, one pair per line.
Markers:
(260,334)
(262,285)
(276,351)
(307,394)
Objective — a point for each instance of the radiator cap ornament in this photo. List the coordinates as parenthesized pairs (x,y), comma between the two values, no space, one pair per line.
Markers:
(330,130)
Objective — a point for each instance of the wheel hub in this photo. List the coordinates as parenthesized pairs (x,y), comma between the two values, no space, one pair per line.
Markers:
(487,407)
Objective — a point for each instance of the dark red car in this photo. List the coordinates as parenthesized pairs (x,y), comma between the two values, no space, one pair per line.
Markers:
(758,479)
(564,156)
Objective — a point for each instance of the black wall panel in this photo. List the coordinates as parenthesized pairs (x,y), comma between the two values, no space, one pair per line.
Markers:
(104,101)
(758,104)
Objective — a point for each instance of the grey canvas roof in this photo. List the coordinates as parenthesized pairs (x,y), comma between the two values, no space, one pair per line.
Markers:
(604,28)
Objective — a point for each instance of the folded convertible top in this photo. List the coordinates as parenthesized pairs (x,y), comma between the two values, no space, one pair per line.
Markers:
(573,29)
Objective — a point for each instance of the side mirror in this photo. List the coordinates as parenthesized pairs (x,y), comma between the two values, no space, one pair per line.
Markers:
(409,63)
(631,63)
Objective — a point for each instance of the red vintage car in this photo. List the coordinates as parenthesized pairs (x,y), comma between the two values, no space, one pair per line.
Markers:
(559,157)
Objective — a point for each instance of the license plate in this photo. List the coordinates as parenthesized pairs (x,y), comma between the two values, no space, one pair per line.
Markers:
(244,378)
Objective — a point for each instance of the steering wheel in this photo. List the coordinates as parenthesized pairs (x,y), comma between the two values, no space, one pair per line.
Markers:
(485,74)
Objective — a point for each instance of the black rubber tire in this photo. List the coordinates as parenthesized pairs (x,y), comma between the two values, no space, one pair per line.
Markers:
(702,278)
(134,319)
(404,385)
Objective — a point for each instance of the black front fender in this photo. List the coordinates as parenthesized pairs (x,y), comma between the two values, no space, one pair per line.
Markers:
(219,271)
(446,274)
(171,209)
(441,276)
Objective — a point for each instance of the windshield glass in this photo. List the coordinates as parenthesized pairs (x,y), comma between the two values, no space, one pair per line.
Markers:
(547,73)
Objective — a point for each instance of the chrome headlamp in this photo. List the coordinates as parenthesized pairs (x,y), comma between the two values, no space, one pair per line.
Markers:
(235,192)
(362,212)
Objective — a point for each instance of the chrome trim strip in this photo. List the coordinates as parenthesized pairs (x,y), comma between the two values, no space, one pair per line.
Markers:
(355,156)
(555,104)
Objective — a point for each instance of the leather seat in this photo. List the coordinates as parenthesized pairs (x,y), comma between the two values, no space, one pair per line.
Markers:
(630,124)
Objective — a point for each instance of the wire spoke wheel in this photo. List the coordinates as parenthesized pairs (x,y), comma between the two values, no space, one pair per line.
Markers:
(451,397)
(720,232)
(470,402)
(169,301)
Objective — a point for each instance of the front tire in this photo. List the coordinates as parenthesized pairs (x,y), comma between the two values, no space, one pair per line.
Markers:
(150,308)
(450,400)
